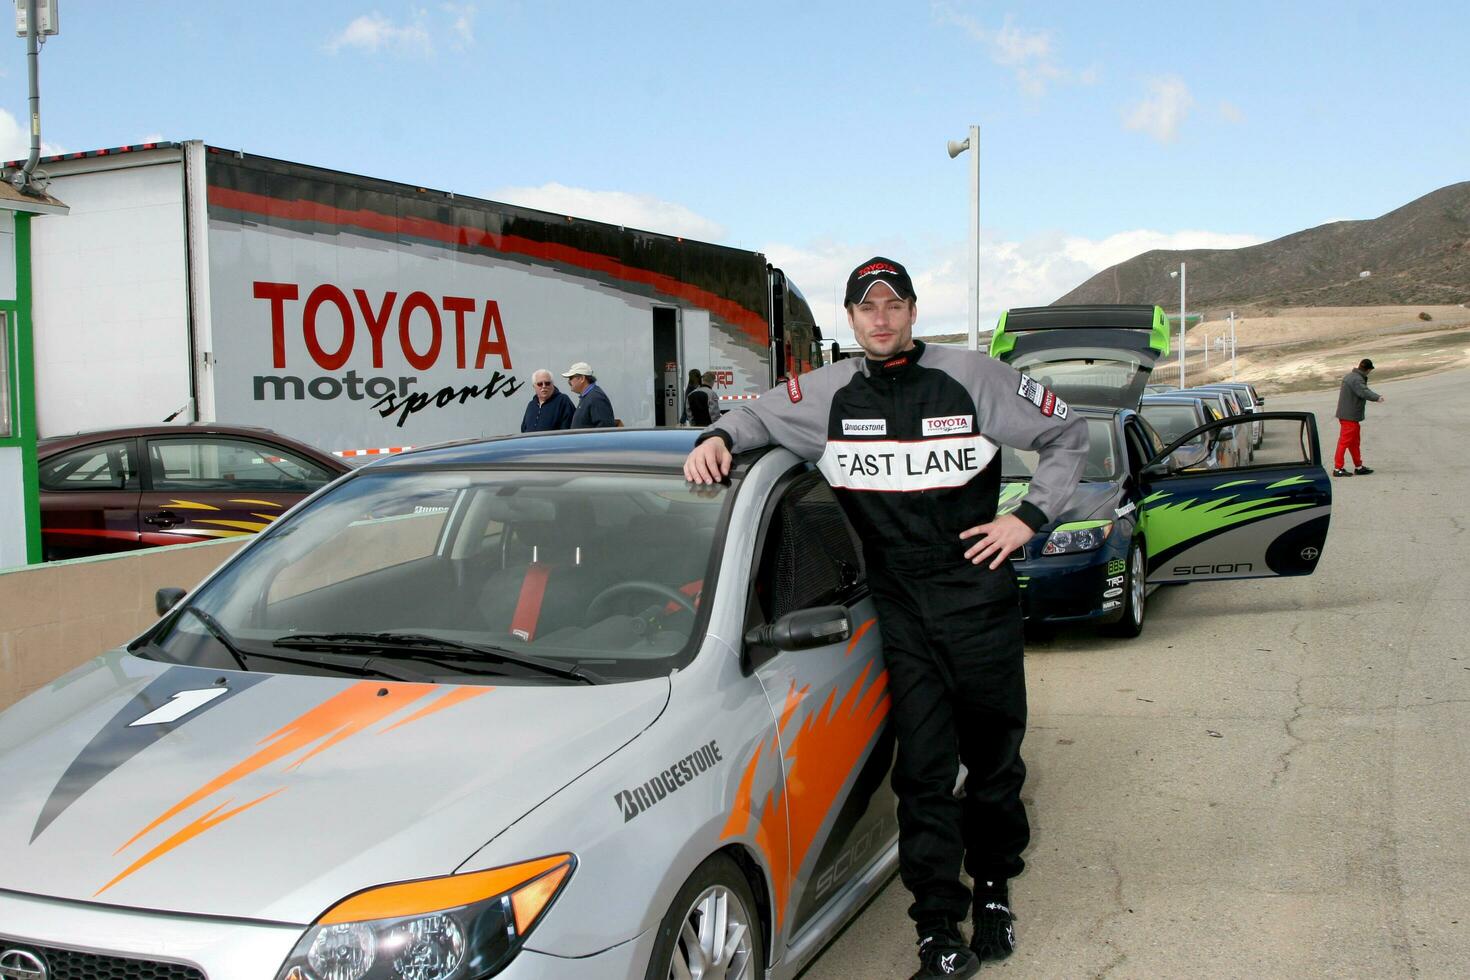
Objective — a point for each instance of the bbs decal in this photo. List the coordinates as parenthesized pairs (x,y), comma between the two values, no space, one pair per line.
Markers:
(683,772)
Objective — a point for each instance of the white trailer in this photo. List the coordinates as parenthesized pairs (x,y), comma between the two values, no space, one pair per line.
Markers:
(362,314)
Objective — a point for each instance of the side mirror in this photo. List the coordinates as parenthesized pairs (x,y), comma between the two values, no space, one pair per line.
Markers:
(804,628)
(1155,470)
(166,598)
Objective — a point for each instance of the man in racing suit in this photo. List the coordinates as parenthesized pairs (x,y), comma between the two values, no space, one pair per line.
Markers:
(909,439)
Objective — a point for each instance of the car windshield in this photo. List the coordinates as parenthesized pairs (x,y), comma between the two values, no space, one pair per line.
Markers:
(1102,455)
(1101,378)
(1172,421)
(599,571)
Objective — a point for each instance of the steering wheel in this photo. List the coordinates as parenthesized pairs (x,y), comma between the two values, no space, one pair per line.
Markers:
(594,608)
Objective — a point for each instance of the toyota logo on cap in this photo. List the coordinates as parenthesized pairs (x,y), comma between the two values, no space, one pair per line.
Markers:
(17,964)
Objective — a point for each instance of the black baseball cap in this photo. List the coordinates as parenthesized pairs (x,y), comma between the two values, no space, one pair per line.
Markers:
(875,270)
(1365,365)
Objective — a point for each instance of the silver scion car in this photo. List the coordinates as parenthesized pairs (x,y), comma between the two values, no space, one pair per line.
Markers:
(528,708)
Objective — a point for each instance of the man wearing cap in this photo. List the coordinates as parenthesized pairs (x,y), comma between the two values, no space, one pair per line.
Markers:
(909,438)
(1352,408)
(594,411)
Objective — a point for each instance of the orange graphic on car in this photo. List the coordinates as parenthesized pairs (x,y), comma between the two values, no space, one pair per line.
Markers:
(819,759)
(335,720)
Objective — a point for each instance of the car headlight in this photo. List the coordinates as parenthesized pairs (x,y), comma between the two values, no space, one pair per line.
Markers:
(1078,536)
(457,927)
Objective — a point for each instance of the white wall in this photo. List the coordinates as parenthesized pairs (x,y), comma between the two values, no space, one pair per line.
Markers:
(111,306)
(12,509)
(7,253)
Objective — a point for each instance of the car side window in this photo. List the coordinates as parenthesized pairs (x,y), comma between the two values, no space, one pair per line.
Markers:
(108,466)
(230,464)
(810,555)
(1138,453)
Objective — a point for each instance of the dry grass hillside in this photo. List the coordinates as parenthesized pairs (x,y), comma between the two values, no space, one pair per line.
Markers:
(1419,253)
(1296,349)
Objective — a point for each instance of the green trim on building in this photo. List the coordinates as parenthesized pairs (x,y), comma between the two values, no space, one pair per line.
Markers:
(23,394)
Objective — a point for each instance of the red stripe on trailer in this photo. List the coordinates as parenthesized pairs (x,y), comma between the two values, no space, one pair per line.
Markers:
(751,324)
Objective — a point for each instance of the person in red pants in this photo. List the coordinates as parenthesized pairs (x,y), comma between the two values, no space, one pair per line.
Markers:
(1352,406)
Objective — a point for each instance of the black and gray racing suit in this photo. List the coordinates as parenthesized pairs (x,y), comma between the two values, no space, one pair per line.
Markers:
(911,445)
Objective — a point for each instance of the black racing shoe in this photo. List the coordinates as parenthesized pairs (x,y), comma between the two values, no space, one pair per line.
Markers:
(1362,471)
(993,939)
(943,953)
(1340,472)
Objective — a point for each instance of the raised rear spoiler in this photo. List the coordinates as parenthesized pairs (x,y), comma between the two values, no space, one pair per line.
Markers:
(1150,322)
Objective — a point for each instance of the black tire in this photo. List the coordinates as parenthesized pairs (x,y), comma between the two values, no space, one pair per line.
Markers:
(718,872)
(1135,595)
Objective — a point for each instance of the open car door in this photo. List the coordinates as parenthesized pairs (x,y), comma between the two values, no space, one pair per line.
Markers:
(1258,519)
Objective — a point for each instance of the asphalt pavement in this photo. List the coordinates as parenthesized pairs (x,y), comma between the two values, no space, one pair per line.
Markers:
(1274,779)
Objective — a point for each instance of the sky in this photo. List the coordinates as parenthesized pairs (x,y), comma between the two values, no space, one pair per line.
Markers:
(812,132)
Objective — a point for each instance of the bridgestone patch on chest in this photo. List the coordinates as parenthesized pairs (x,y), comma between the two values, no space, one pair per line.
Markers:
(1037,394)
(898,467)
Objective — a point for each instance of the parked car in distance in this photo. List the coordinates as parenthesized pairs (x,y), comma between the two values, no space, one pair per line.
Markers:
(144,486)
(1223,404)
(1250,402)
(1174,413)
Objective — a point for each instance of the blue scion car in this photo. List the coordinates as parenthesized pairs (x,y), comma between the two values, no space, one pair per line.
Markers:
(1148,510)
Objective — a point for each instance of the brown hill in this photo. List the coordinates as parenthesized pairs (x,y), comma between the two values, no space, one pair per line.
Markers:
(1419,253)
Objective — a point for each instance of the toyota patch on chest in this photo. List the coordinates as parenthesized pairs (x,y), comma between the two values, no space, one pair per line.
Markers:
(1037,394)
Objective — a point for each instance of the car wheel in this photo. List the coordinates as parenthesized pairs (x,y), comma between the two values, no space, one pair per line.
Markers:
(1135,593)
(712,930)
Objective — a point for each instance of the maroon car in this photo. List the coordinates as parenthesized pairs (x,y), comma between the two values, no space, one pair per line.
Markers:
(140,487)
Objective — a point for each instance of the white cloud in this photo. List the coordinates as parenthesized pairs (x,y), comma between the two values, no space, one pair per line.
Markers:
(15,140)
(462,24)
(1163,110)
(373,33)
(1033,272)
(1231,112)
(642,211)
(1028,54)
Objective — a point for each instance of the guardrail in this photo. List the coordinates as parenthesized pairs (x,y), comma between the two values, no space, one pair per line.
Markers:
(56,616)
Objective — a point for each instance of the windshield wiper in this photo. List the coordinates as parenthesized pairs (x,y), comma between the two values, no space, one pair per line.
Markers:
(219,633)
(363,665)
(405,645)
(360,665)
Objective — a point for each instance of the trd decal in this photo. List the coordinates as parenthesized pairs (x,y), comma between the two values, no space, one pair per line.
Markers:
(634,801)
(345,714)
(826,749)
(123,737)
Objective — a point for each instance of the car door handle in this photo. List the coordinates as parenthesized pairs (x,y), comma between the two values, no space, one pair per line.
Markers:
(164,518)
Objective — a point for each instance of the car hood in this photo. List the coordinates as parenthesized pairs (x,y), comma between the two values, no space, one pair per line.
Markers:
(135,783)
(1089,502)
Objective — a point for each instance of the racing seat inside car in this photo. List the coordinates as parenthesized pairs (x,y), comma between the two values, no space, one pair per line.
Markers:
(546,589)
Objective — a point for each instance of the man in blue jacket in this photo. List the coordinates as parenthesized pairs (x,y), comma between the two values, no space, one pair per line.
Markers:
(549,409)
(594,411)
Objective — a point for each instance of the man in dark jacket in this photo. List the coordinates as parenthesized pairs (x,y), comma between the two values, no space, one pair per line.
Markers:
(909,437)
(1352,406)
(549,409)
(594,411)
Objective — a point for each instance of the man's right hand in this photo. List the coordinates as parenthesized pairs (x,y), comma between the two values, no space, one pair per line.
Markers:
(708,463)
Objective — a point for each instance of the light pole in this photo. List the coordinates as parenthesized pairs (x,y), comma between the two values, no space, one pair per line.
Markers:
(1232,345)
(1183,276)
(956,147)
